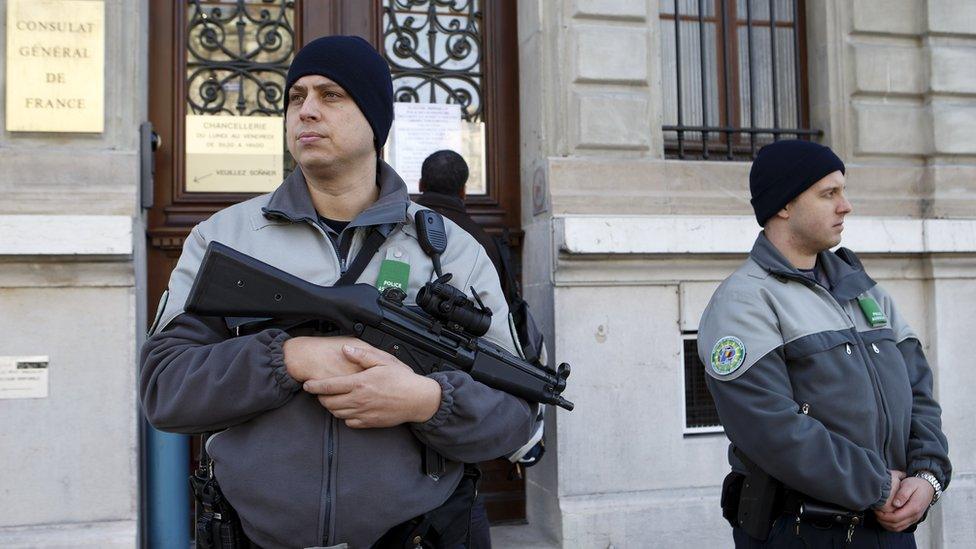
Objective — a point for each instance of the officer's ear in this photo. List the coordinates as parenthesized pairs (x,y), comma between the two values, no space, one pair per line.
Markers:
(785,212)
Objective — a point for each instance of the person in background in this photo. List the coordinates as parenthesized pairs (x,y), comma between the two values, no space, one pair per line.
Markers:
(443,177)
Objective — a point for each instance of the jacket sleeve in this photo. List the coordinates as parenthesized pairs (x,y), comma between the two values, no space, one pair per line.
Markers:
(928,449)
(475,422)
(761,417)
(195,377)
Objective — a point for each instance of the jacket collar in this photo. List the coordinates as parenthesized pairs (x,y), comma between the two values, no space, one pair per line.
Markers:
(446,201)
(842,268)
(292,201)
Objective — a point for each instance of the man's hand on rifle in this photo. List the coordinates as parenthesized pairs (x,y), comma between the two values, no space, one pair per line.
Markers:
(385,393)
(319,357)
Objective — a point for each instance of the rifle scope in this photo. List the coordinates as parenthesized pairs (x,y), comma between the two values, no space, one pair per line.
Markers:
(446,303)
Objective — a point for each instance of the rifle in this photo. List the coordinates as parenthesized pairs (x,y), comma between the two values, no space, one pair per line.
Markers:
(443,336)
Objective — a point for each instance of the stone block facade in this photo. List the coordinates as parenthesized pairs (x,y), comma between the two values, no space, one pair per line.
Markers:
(71,289)
(630,245)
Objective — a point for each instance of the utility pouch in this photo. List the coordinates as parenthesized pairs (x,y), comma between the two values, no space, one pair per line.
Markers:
(759,500)
(818,512)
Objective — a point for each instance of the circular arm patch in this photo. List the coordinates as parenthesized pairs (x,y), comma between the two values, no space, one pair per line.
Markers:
(727,355)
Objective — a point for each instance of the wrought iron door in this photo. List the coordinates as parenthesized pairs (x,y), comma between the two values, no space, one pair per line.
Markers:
(230,57)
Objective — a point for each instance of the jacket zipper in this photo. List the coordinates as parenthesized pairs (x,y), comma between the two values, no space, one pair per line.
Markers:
(875,380)
(862,354)
(335,249)
(327,498)
(331,433)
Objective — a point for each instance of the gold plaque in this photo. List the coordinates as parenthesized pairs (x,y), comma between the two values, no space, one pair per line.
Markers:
(55,65)
(240,154)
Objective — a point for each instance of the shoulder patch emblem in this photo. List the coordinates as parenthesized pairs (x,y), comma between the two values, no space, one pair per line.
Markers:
(727,355)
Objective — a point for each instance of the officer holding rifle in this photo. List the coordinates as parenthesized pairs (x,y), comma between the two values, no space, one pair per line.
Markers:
(328,441)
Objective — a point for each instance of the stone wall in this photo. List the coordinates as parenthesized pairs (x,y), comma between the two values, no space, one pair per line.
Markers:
(626,246)
(70,289)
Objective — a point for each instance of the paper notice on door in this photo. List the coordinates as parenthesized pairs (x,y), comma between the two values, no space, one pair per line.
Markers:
(23,376)
(420,129)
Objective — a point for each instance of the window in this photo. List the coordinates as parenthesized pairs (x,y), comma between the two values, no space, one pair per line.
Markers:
(436,52)
(237,57)
(700,413)
(734,74)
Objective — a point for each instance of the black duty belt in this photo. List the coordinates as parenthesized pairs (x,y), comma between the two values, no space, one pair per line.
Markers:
(784,502)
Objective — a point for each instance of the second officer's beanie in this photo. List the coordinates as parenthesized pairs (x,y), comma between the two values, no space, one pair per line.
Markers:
(355,65)
(783,170)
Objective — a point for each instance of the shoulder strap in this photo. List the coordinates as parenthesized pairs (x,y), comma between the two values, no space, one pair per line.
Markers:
(371,245)
(505,254)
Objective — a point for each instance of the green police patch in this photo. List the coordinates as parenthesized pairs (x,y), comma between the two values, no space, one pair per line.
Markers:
(727,355)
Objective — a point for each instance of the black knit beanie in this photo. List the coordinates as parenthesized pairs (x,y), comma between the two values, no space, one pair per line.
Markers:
(783,170)
(355,65)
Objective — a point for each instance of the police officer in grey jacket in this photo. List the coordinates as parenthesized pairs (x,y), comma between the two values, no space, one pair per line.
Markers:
(321,441)
(821,385)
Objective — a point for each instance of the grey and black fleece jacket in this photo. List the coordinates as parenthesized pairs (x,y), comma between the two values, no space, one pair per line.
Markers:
(811,390)
(297,476)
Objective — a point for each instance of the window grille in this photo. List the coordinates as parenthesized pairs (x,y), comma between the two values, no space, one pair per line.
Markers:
(700,413)
(734,76)
(436,53)
(237,58)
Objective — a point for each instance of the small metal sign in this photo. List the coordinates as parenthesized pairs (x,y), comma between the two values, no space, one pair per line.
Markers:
(242,154)
(55,66)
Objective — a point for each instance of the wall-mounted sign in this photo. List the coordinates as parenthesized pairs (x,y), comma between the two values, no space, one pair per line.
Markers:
(55,65)
(23,376)
(239,154)
(420,129)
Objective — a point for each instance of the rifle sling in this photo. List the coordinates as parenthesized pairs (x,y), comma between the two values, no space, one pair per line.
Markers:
(371,245)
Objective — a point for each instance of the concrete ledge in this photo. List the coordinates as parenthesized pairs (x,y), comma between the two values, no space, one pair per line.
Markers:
(686,517)
(101,535)
(65,235)
(583,234)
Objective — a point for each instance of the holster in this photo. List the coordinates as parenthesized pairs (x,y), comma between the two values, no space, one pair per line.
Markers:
(758,505)
(217,524)
(446,526)
(760,500)
(731,490)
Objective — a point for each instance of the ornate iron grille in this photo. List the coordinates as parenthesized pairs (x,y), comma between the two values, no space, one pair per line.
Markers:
(700,412)
(434,48)
(238,52)
(736,78)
